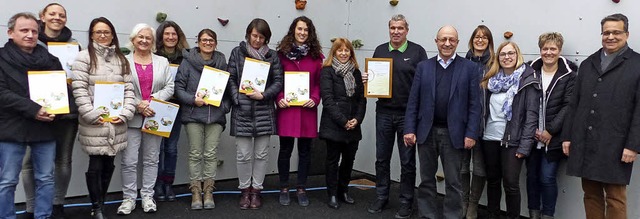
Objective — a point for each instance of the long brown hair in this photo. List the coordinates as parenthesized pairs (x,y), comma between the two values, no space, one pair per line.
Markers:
(495,63)
(337,44)
(182,39)
(124,64)
(286,44)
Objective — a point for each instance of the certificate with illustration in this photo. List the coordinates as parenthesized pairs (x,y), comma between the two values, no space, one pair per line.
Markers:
(254,74)
(66,53)
(173,69)
(49,89)
(212,85)
(109,99)
(380,77)
(161,123)
(296,87)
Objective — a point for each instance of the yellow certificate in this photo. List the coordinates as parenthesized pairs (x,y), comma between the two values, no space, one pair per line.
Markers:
(212,85)
(49,89)
(380,77)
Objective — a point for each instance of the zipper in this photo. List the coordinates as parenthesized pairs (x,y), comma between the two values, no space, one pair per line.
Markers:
(545,99)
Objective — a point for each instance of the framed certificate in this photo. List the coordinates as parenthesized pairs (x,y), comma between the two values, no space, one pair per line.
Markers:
(173,69)
(212,85)
(296,87)
(254,74)
(109,98)
(380,77)
(49,89)
(161,123)
(66,53)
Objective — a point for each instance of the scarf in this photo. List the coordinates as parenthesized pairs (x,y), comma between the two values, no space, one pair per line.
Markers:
(194,58)
(38,59)
(297,52)
(258,54)
(506,83)
(346,71)
(173,58)
(65,35)
(105,51)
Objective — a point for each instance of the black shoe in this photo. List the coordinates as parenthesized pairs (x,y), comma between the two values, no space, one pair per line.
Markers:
(158,191)
(169,195)
(58,212)
(333,202)
(303,200)
(29,215)
(377,206)
(345,197)
(96,213)
(284,198)
(404,211)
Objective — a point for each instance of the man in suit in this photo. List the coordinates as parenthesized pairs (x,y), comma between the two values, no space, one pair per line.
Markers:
(443,119)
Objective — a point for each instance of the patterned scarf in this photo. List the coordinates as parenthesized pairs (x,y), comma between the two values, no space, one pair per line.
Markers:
(297,52)
(346,71)
(506,83)
(258,54)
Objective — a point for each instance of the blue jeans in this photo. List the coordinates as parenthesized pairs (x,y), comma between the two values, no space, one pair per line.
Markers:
(169,153)
(43,155)
(542,188)
(389,128)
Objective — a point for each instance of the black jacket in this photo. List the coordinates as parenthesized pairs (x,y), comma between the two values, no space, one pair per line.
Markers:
(604,118)
(555,103)
(338,108)
(187,80)
(250,117)
(520,131)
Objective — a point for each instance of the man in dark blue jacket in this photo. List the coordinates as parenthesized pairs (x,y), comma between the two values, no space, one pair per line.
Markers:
(443,119)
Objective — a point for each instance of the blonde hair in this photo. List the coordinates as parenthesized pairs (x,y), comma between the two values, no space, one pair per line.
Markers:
(495,63)
(136,30)
(337,44)
(551,37)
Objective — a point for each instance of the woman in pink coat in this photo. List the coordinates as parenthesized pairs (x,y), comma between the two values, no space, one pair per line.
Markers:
(299,50)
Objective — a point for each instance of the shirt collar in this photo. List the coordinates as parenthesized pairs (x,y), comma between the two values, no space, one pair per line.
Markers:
(402,48)
(446,64)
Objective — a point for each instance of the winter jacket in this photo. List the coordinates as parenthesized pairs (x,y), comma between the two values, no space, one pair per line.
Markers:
(18,111)
(604,118)
(338,108)
(252,118)
(298,121)
(187,80)
(555,103)
(520,131)
(108,138)
(161,88)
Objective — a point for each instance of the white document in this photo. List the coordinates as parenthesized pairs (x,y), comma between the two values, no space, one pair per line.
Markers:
(49,89)
(254,75)
(162,122)
(66,53)
(173,69)
(212,85)
(109,98)
(296,87)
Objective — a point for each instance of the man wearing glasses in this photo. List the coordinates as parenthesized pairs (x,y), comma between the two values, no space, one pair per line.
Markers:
(602,134)
(443,119)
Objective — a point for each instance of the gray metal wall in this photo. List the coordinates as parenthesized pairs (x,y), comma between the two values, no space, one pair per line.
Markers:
(577,20)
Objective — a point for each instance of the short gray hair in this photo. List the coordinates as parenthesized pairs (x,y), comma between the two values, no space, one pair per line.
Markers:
(12,21)
(399,17)
(136,30)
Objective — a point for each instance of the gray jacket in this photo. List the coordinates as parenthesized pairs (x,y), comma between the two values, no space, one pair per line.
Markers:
(162,87)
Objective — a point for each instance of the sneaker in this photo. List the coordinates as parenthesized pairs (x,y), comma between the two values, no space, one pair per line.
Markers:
(404,211)
(148,204)
(284,198)
(377,206)
(127,206)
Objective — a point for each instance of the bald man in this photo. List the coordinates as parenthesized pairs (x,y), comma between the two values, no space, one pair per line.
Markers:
(443,120)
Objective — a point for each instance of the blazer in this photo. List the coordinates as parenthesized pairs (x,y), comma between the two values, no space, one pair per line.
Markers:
(464,102)
(162,87)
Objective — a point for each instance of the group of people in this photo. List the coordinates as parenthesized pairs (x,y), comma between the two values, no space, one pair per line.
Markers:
(488,110)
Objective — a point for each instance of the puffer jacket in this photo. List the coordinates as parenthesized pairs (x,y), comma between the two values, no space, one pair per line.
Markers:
(555,103)
(250,117)
(105,139)
(187,80)
(338,108)
(520,131)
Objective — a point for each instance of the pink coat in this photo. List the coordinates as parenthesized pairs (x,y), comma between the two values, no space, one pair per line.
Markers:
(299,121)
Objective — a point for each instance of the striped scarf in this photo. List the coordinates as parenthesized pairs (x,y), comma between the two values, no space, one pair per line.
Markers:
(258,54)
(346,71)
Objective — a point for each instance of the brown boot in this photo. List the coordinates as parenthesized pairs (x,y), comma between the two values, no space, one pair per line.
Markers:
(244,198)
(256,199)
(196,194)
(208,194)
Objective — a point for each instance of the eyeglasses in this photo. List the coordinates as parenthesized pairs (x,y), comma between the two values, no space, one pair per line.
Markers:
(101,32)
(615,33)
(444,40)
(509,54)
(481,38)
(209,41)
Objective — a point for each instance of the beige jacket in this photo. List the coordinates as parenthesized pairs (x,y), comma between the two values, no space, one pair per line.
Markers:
(105,139)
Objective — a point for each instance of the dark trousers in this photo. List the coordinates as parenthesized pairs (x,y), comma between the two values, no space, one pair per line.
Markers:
(99,172)
(284,160)
(438,144)
(339,175)
(604,200)
(169,153)
(542,188)
(389,129)
(502,166)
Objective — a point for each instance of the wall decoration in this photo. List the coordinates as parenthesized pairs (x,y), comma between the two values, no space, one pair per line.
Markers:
(357,43)
(394,2)
(161,17)
(616,1)
(508,35)
(301,4)
(224,22)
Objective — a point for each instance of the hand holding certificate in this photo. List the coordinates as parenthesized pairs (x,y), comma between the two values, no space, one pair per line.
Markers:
(161,123)
(49,89)
(109,99)
(380,77)
(296,87)
(254,75)
(212,85)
